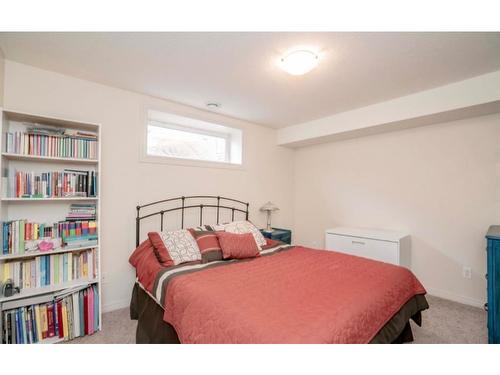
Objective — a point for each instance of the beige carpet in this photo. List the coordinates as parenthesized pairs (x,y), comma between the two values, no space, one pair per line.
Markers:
(445,322)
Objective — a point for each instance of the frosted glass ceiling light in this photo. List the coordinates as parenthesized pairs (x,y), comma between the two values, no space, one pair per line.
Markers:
(299,62)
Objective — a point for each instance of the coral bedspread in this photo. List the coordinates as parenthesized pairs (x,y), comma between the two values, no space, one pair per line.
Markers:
(297,295)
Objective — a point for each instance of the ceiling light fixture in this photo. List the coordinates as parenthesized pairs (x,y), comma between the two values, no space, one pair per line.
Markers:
(299,62)
(213,105)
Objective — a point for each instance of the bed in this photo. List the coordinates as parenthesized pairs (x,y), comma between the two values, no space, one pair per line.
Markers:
(288,294)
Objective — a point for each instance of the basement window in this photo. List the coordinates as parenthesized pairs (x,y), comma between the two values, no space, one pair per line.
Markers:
(173,137)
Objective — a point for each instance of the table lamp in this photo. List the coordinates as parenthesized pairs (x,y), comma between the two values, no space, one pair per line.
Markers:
(269,207)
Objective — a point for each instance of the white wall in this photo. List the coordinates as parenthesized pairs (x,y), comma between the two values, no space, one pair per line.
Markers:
(439,182)
(126,181)
(2,71)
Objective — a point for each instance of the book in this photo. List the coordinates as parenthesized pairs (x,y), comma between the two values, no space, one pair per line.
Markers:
(52,142)
(45,270)
(91,310)
(18,326)
(82,313)
(6,327)
(72,314)
(64,318)
(82,211)
(43,321)
(50,321)
(86,311)
(38,325)
(76,314)
(23,236)
(55,184)
(33,324)
(61,320)
(22,323)
(30,326)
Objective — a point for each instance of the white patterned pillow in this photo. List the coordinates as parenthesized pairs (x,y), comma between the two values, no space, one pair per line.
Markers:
(181,246)
(240,227)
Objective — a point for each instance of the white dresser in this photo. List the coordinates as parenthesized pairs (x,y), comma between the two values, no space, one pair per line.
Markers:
(383,245)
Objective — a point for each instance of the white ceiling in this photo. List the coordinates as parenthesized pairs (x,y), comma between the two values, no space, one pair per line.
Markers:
(238,69)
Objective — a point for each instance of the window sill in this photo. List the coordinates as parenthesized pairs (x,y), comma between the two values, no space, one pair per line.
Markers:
(190,162)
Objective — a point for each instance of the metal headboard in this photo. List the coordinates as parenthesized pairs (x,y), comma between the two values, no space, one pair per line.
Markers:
(217,202)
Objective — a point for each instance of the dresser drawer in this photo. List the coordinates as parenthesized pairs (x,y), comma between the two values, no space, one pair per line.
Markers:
(384,251)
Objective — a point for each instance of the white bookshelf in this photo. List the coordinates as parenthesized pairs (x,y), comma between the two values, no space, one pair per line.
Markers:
(45,210)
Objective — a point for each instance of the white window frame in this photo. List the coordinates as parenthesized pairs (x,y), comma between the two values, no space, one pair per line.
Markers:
(233,136)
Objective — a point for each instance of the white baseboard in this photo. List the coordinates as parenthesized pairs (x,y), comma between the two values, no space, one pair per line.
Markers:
(115,305)
(455,297)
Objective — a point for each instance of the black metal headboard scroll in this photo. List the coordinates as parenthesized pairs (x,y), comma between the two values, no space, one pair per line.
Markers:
(218,202)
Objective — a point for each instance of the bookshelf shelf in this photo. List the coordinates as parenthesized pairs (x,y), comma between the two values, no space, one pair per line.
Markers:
(32,292)
(34,158)
(40,134)
(52,340)
(32,254)
(63,199)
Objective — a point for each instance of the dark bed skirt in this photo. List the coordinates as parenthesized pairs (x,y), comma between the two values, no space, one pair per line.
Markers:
(152,329)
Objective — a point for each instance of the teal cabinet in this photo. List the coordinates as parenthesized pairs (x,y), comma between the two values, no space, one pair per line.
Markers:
(493,278)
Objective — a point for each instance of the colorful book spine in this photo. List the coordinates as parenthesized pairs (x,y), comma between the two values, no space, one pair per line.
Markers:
(74,315)
(81,146)
(68,183)
(20,236)
(52,269)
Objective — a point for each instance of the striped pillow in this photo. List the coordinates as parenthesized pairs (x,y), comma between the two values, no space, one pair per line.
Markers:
(208,244)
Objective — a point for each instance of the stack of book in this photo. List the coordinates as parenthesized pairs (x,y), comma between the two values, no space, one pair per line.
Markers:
(52,142)
(80,234)
(48,270)
(21,236)
(69,183)
(82,226)
(82,211)
(73,315)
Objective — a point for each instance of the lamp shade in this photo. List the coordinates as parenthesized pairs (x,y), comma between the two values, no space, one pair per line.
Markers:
(269,206)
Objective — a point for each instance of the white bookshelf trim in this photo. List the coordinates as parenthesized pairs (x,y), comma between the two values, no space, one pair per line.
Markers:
(51,340)
(12,156)
(32,292)
(69,199)
(32,254)
(53,121)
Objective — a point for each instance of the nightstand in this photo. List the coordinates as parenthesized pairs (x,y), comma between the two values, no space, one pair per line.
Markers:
(283,235)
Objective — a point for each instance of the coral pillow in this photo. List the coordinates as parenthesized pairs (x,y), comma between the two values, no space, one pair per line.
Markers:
(142,252)
(160,250)
(238,246)
(175,247)
(208,244)
(146,264)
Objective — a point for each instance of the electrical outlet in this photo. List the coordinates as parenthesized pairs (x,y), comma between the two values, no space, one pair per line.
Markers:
(466,272)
